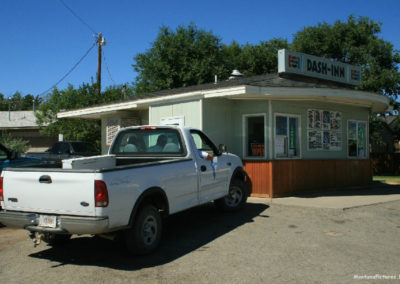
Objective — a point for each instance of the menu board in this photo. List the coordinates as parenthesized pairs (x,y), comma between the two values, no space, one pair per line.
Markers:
(324,130)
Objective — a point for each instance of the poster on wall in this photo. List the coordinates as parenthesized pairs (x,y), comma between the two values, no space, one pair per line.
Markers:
(314,140)
(314,119)
(324,130)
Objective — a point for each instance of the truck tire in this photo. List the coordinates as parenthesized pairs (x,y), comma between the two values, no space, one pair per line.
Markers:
(145,234)
(235,199)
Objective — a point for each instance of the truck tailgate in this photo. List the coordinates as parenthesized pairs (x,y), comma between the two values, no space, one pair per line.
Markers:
(70,193)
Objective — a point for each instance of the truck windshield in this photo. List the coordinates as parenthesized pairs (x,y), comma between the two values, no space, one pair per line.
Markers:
(148,141)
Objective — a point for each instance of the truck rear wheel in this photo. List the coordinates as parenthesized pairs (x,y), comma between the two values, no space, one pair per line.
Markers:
(145,234)
(235,199)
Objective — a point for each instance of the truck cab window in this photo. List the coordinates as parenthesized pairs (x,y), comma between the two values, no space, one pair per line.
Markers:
(157,142)
(203,143)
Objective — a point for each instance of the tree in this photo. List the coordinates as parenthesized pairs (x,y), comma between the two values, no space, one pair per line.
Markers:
(12,143)
(188,56)
(252,59)
(191,56)
(71,98)
(355,42)
(19,102)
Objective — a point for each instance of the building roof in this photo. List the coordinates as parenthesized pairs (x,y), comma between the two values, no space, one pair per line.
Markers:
(269,80)
(17,120)
(259,85)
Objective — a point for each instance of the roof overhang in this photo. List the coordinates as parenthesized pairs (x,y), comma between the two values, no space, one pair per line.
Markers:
(376,103)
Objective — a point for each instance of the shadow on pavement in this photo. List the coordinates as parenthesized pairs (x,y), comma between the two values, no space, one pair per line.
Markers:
(376,188)
(183,233)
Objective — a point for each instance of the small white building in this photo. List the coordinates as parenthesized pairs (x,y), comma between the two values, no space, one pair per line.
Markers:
(304,129)
(22,124)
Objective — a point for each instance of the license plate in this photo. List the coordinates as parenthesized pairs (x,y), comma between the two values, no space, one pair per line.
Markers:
(48,221)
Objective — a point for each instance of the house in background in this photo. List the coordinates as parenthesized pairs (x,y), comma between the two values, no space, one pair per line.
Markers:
(22,124)
(304,129)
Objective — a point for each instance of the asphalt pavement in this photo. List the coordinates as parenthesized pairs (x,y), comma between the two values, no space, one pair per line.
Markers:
(267,242)
(340,199)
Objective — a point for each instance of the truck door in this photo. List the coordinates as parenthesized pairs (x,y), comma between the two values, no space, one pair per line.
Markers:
(214,174)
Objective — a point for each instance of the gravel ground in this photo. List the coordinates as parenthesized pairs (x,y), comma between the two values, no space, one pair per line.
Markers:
(260,244)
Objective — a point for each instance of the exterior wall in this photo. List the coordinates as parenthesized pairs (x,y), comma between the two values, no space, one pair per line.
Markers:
(217,121)
(290,177)
(36,141)
(239,108)
(190,110)
(300,108)
(313,171)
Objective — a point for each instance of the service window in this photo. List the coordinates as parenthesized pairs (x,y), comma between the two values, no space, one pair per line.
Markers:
(357,139)
(254,136)
(287,138)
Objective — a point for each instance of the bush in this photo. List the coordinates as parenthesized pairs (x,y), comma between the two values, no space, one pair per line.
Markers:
(13,143)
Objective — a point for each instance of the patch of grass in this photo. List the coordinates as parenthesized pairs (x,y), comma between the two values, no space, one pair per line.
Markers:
(388,179)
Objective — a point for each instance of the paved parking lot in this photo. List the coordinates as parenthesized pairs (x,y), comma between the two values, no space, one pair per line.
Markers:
(264,243)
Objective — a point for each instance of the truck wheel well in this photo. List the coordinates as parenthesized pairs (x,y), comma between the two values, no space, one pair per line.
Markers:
(239,174)
(155,196)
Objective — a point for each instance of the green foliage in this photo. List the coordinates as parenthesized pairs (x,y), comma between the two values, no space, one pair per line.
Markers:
(19,102)
(191,56)
(186,57)
(355,42)
(376,125)
(12,143)
(71,98)
(252,59)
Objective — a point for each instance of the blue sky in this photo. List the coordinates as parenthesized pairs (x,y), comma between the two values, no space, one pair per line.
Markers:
(41,40)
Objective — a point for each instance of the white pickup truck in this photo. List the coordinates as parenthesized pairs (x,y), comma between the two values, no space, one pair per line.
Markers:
(149,173)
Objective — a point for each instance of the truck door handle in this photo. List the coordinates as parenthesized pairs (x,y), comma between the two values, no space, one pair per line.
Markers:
(203,168)
(45,179)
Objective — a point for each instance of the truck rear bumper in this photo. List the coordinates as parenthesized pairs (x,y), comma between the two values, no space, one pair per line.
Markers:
(65,224)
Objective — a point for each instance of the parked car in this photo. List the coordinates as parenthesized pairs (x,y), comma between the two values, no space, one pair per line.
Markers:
(11,158)
(66,150)
(150,173)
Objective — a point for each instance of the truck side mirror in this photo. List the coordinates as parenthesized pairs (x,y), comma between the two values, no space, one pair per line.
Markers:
(222,148)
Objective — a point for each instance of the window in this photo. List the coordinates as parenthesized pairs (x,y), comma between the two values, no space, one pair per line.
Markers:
(254,136)
(148,141)
(203,143)
(357,139)
(287,140)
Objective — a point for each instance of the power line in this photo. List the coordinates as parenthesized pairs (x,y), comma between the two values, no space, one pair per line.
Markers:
(79,18)
(108,70)
(72,69)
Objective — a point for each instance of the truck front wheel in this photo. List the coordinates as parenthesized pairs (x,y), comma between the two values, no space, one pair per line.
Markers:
(145,234)
(235,199)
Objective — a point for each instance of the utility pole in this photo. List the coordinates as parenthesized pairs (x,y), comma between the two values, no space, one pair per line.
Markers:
(100,42)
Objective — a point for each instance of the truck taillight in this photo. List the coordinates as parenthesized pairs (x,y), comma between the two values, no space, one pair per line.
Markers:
(1,189)
(100,193)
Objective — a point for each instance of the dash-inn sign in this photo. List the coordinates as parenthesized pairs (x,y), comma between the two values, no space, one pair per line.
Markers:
(318,67)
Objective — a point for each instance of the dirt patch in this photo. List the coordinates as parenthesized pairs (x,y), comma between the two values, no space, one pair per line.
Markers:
(9,236)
